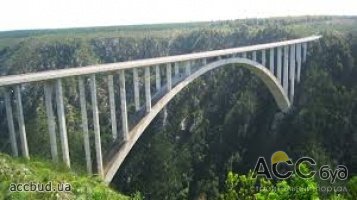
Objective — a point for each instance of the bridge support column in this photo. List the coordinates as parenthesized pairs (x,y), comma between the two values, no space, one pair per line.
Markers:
(271,60)
(10,124)
(279,63)
(254,56)
(292,72)
(176,69)
(124,114)
(168,76)
(244,55)
(51,121)
(21,122)
(147,89)
(84,116)
(136,89)
(113,117)
(97,140)
(298,57)
(232,56)
(188,68)
(165,114)
(204,61)
(62,123)
(286,69)
(158,77)
(169,85)
(263,57)
(304,48)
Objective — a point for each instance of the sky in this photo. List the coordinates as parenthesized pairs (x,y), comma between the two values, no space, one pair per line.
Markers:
(41,14)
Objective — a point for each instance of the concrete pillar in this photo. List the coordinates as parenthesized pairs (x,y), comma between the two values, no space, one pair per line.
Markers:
(279,63)
(158,77)
(165,115)
(21,122)
(291,60)
(292,72)
(309,45)
(169,84)
(176,69)
(113,117)
(194,64)
(298,57)
(136,89)
(51,121)
(10,124)
(304,47)
(204,61)
(271,60)
(188,68)
(124,113)
(62,123)
(244,55)
(83,102)
(286,69)
(254,56)
(97,140)
(147,89)
(168,76)
(232,56)
(263,57)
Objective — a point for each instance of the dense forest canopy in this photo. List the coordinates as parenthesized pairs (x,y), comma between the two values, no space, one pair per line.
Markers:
(218,126)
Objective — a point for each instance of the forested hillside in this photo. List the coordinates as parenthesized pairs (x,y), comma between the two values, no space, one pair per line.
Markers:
(218,126)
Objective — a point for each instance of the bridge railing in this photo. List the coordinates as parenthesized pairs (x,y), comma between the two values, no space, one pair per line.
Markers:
(177,68)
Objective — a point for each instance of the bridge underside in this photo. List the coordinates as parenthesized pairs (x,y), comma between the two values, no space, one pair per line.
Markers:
(117,155)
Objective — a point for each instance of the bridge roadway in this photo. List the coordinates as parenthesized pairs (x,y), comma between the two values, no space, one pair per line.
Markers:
(101,68)
(277,64)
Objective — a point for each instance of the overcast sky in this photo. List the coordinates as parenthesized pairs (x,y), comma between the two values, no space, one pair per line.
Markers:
(34,14)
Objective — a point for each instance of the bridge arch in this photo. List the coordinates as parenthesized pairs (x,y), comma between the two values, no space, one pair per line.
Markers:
(117,156)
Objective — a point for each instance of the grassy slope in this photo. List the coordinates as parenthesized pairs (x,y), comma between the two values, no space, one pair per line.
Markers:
(22,171)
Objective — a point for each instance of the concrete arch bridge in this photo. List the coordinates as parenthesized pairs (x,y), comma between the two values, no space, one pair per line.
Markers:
(277,64)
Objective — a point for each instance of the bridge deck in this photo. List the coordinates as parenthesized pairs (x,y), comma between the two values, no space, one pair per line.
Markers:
(62,73)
